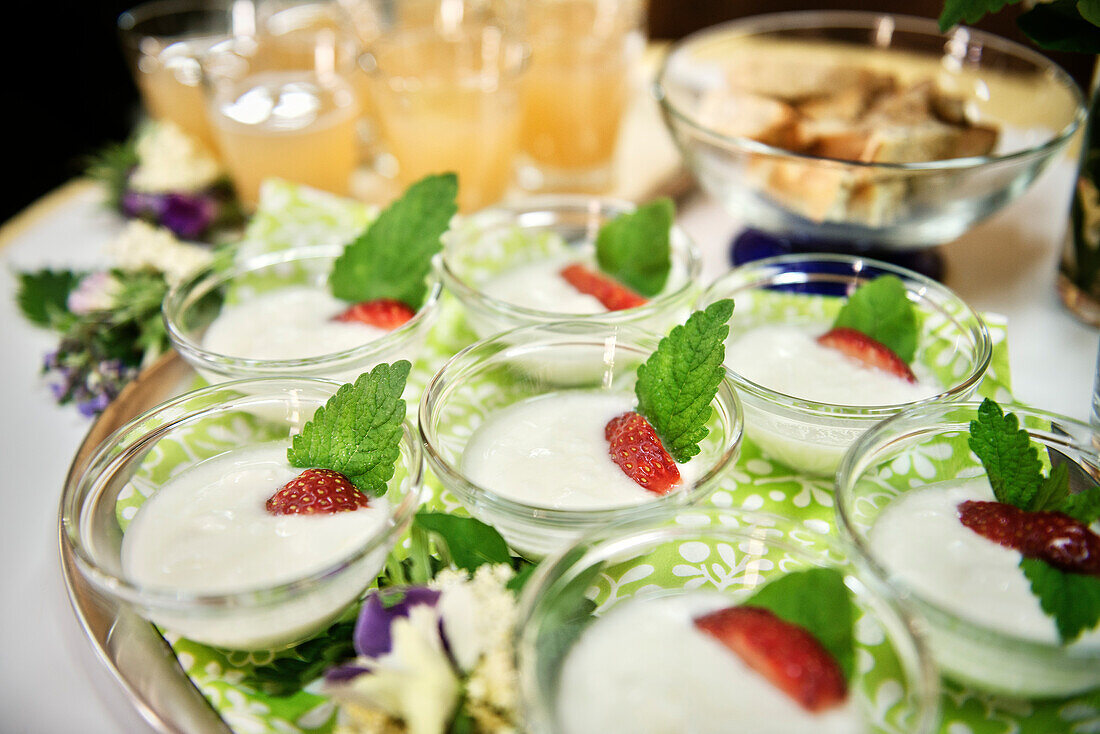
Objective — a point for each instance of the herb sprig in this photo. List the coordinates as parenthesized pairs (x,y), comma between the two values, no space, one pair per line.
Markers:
(634,247)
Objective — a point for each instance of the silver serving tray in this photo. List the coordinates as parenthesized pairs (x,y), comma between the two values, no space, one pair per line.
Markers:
(131,649)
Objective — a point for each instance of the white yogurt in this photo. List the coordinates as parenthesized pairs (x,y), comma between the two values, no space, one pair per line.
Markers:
(538,285)
(287,323)
(550,451)
(207,531)
(644,667)
(788,359)
(921,542)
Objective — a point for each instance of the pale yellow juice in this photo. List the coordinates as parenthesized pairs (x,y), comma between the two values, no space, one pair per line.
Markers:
(451,103)
(171,85)
(290,125)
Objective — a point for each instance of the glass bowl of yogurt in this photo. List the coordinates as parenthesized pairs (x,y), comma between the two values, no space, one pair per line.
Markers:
(273,314)
(169,518)
(503,264)
(514,427)
(806,403)
(606,640)
(898,492)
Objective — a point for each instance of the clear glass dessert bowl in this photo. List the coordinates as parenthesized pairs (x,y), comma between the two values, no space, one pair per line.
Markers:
(192,306)
(722,557)
(560,362)
(558,229)
(210,426)
(976,640)
(744,153)
(805,292)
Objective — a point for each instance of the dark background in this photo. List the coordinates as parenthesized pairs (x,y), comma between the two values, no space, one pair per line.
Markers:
(67,90)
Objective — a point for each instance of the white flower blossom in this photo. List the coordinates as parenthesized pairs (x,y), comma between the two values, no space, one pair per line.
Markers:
(95,292)
(141,245)
(170,161)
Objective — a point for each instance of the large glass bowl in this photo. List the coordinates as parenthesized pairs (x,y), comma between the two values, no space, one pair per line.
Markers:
(719,552)
(495,240)
(136,460)
(191,306)
(532,361)
(925,446)
(806,291)
(1033,102)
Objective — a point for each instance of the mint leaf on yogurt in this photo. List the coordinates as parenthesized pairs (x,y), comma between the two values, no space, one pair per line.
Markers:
(633,248)
(880,309)
(393,257)
(358,431)
(818,601)
(678,382)
(1011,463)
(1072,599)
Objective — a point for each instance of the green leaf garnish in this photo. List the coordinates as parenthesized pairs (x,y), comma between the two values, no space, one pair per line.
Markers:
(678,382)
(633,248)
(818,601)
(358,431)
(1016,475)
(467,542)
(971,11)
(880,309)
(1072,599)
(392,258)
(44,295)
(1005,450)
(293,669)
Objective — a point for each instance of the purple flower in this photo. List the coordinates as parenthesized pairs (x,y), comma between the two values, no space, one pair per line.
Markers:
(344,673)
(186,215)
(95,292)
(372,630)
(94,405)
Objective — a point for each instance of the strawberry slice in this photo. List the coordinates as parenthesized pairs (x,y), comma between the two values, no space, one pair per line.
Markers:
(316,491)
(786,654)
(613,296)
(1054,537)
(383,313)
(872,353)
(635,447)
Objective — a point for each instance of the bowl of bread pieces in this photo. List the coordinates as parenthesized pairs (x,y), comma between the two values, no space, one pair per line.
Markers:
(862,127)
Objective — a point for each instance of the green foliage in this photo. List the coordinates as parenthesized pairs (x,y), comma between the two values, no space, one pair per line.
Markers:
(293,669)
(1011,462)
(43,295)
(358,431)
(880,309)
(633,248)
(392,258)
(678,382)
(463,541)
(111,166)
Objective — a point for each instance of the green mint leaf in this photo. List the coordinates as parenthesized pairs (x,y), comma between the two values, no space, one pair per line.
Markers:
(678,382)
(818,601)
(393,257)
(1072,599)
(1063,25)
(1082,506)
(633,248)
(971,11)
(43,295)
(1005,450)
(469,543)
(1052,492)
(880,309)
(358,431)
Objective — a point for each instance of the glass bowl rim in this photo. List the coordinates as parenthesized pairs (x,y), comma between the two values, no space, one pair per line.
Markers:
(608,206)
(868,444)
(983,349)
(511,69)
(857,19)
(165,599)
(611,539)
(219,273)
(451,476)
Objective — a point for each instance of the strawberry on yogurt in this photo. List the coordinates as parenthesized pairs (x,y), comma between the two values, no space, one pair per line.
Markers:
(667,664)
(222,527)
(561,284)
